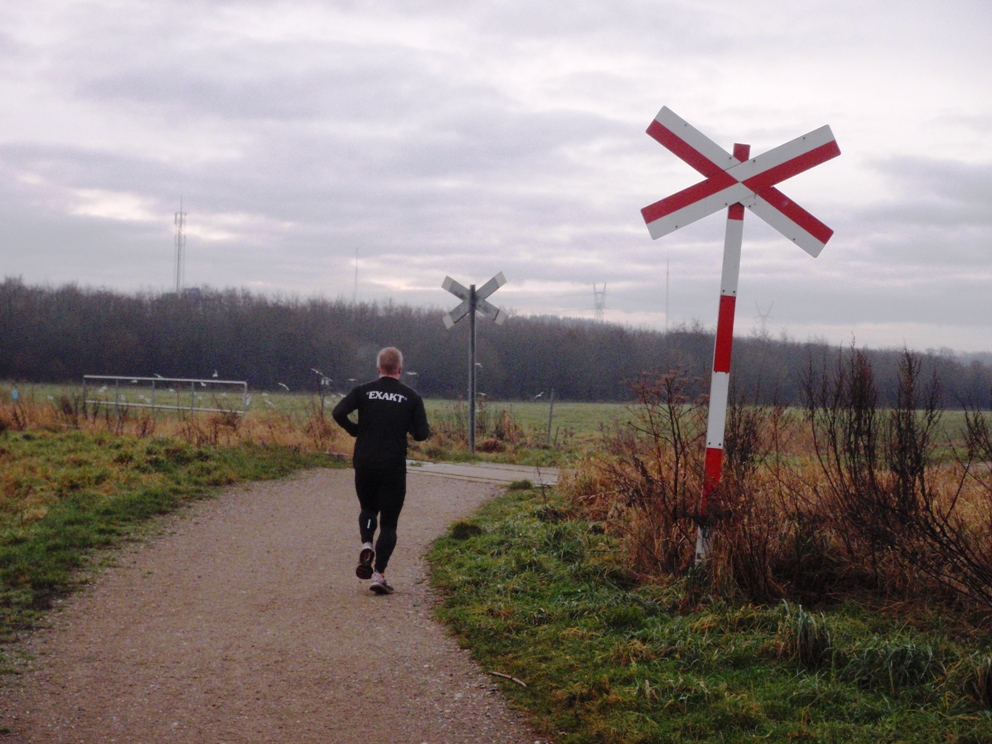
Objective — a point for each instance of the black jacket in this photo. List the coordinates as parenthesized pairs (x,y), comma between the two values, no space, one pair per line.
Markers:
(387,411)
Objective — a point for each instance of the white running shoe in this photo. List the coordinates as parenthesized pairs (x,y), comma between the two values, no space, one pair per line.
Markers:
(365,558)
(379,585)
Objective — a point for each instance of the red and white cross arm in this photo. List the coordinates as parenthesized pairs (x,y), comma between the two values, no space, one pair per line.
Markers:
(750,182)
(734,181)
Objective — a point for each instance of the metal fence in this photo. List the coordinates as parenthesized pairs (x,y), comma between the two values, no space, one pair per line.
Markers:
(167,393)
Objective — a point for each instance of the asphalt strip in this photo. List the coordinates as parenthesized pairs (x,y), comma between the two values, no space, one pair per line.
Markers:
(244,622)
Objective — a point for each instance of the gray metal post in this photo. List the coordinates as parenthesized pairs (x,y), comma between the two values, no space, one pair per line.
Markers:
(551,413)
(471,368)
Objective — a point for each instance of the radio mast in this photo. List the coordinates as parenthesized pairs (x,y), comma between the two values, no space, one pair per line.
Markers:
(599,301)
(180,248)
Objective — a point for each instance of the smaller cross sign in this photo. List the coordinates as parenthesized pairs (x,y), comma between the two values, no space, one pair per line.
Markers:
(481,305)
(472,301)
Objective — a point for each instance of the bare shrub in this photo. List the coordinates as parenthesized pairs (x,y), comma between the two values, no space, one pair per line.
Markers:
(900,512)
(645,481)
(321,431)
(842,499)
(496,430)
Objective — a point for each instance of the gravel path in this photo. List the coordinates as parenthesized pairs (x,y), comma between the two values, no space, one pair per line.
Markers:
(245,623)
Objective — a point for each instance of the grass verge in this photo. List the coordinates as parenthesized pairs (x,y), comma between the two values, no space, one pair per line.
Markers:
(65,494)
(541,600)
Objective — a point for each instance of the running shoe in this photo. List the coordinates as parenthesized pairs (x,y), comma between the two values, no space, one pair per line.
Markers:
(365,558)
(379,585)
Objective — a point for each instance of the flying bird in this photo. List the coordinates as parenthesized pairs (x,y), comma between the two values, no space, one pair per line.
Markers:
(282,385)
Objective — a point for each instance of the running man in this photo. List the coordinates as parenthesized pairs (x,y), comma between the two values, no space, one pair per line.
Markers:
(387,411)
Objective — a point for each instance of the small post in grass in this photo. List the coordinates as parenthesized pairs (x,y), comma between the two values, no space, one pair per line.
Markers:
(551,413)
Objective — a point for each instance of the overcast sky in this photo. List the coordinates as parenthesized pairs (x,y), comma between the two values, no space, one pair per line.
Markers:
(467,138)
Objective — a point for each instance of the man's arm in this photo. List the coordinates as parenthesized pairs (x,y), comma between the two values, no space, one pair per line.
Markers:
(343,409)
(420,429)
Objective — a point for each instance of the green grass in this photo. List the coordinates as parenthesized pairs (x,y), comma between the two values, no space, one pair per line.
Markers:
(582,420)
(540,597)
(65,495)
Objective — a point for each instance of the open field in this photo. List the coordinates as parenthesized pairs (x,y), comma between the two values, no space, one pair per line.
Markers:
(575,426)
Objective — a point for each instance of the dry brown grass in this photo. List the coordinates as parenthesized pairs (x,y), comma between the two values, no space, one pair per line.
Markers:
(309,432)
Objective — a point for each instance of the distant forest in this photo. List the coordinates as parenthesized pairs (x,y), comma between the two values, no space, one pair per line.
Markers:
(60,334)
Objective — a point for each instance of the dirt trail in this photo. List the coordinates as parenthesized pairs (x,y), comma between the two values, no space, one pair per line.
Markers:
(245,623)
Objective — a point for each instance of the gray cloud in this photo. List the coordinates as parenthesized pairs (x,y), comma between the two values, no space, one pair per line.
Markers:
(488,137)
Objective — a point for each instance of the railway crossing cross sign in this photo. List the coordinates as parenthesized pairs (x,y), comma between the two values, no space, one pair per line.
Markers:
(472,300)
(734,181)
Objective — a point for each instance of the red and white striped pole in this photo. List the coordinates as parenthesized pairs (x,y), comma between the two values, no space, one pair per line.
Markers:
(720,381)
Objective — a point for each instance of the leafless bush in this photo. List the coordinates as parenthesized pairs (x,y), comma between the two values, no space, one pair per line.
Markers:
(843,498)
(901,511)
(320,430)
(651,465)
(496,430)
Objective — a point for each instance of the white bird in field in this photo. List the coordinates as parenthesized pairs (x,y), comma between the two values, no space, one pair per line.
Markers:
(283,385)
(214,374)
(539,395)
(270,402)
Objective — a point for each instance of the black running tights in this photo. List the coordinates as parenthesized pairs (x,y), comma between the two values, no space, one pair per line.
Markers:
(380,494)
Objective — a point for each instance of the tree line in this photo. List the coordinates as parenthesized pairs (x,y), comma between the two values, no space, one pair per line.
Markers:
(59,334)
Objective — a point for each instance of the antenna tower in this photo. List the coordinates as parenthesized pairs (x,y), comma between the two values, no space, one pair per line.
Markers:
(599,301)
(763,317)
(180,248)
